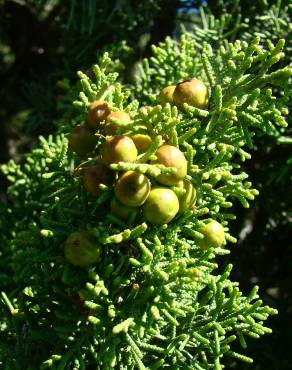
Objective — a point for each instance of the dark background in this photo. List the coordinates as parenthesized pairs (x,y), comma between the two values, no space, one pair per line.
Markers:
(40,44)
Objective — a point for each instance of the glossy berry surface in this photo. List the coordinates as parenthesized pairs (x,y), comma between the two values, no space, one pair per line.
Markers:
(118,148)
(193,92)
(82,141)
(161,206)
(97,113)
(93,176)
(171,156)
(166,95)
(81,249)
(110,125)
(214,236)
(132,189)
(142,142)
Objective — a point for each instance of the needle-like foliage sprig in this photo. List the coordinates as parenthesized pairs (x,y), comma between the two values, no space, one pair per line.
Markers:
(155,300)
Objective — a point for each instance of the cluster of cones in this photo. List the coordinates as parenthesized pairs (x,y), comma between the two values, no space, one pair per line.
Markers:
(159,199)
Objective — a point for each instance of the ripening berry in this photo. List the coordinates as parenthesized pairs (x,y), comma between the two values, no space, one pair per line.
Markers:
(118,148)
(118,209)
(161,206)
(214,235)
(132,189)
(82,141)
(142,142)
(188,199)
(81,249)
(97,112)
(93,176)
(170,156)
(193,92)
(110,127)
(166,95)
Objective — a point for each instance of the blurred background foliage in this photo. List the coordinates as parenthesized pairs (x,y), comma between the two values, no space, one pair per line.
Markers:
(44,42)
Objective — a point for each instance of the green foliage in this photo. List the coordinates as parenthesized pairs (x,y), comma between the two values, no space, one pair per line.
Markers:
(156,300)
(58,38)
(271,22)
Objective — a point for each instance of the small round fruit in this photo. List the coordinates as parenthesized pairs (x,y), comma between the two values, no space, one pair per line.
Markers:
(82,141)
(161,206)
(93,176)
(118,209)
(118,148)
(193,92)
(97,112)
(142,142)
(214,235)
(166,95)
(170,156)
(81,249)
(110,126)
(188,199)
(132,189)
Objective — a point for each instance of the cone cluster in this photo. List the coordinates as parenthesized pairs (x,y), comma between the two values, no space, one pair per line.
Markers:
(159,199)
